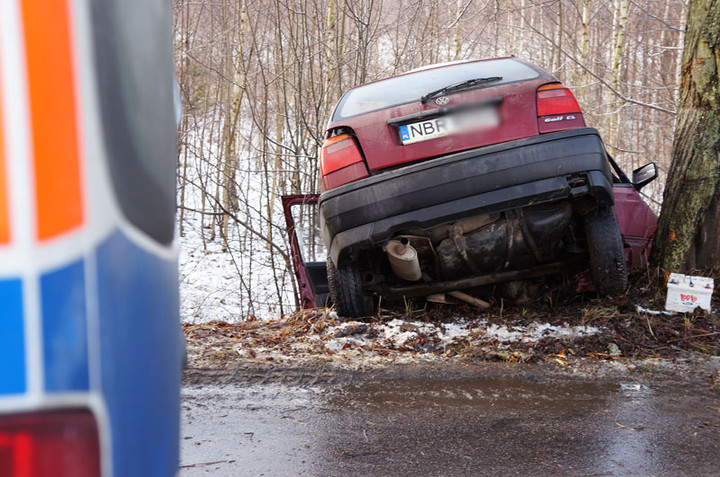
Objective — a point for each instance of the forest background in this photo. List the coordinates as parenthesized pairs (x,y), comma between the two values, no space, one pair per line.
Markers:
(258,80)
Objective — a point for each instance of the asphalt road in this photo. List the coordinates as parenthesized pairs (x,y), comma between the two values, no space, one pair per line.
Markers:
(480,420)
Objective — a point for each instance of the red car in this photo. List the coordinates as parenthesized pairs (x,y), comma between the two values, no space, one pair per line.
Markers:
(461,175)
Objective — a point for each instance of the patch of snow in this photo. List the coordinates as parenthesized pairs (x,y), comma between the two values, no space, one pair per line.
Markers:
(537,331)
(453,331)
(640,309)
(399,332)
(336,345)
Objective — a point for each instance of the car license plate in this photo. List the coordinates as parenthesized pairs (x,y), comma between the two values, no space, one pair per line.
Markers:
(474,120)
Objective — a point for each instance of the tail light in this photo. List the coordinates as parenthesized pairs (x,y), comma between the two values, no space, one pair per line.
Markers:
(49,444)
(557,109)
(341,161)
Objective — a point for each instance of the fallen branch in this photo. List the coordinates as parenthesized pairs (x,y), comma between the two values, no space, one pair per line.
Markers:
(694,336)
(199,464)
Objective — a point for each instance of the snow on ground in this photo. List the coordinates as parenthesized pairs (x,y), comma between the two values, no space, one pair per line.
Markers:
(536,331)
(246,280)
(209,284)
(399,333)
(317,334)
(229,285)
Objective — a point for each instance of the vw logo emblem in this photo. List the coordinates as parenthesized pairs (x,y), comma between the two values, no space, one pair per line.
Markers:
(442,101)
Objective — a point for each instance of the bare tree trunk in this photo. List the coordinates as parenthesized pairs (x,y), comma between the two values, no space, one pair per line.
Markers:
(558,39)
(184,127)
(234,97)
(620,16)
(619,43)
(457,43)
(687,235)
(331,46)
(541,29)
(681,42)
(496,39)
(585,34)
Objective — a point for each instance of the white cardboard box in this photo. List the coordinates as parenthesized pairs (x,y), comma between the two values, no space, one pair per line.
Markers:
(685,293)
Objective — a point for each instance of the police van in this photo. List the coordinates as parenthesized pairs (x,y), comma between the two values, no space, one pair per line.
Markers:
(90,342)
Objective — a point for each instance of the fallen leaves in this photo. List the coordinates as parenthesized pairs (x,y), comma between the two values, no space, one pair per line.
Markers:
(550,332)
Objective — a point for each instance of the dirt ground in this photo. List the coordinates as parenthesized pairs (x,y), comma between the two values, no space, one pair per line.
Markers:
(628,330)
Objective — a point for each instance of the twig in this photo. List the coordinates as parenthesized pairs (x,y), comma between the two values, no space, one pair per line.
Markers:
(620,425)
(647,318)
(704,335)
(207,463)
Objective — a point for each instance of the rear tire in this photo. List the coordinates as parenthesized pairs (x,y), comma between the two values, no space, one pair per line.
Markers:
(346,292)
(606,251)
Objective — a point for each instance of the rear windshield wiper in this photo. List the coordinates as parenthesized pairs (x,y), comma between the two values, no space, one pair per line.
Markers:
(467,84)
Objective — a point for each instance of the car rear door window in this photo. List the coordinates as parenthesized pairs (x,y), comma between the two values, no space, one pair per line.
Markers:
(412,86)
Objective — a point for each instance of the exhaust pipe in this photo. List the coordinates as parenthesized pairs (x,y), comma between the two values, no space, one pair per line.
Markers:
(443,298)
(482,304)
(403,259)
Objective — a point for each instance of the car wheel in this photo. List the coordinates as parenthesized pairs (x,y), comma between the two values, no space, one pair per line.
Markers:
(346,292)
(606,251)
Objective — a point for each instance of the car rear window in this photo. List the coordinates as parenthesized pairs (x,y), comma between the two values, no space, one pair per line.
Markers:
(412,86)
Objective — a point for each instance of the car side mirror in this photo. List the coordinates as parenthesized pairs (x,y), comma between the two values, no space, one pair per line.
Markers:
(644,175)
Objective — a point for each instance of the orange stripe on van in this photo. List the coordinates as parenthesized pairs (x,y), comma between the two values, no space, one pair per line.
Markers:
(4,217)
(50,70)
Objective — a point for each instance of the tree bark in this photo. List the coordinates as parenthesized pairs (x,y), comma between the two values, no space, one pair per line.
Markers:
(687,236)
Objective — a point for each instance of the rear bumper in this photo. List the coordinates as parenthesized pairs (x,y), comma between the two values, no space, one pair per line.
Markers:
(485,180)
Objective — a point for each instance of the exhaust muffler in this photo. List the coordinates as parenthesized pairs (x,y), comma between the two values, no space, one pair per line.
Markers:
(403,259)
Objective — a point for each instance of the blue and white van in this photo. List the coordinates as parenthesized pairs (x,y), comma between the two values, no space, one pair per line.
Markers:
(90,341)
